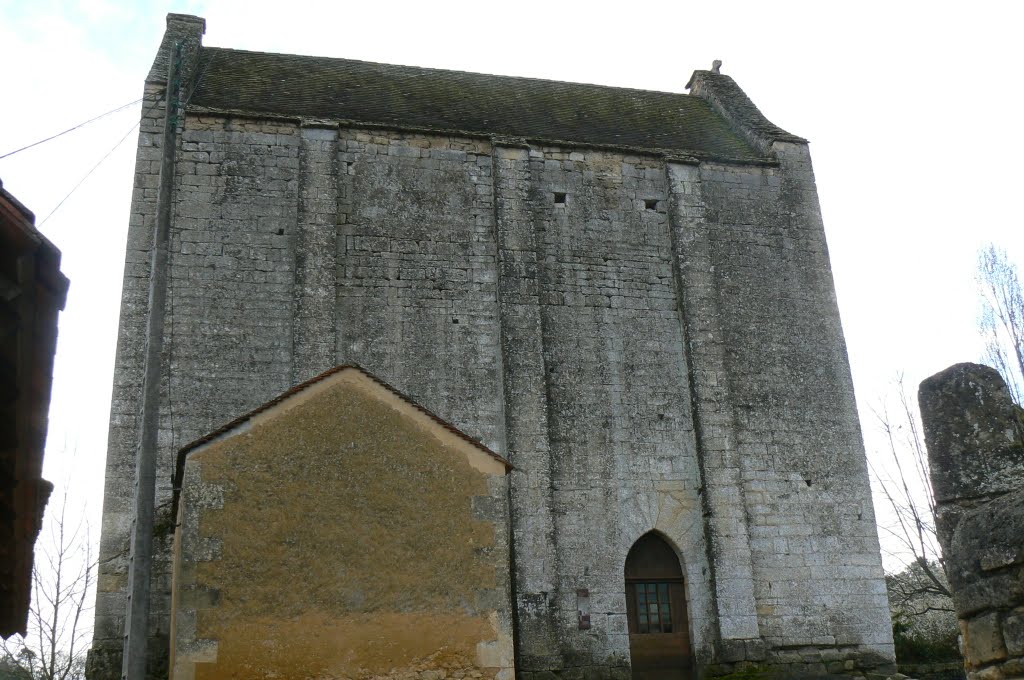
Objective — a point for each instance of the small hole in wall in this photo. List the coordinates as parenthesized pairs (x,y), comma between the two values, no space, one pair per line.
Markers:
(807,482)
(559,198)
(860,515)
(455,320)
(651,203)
(280,232)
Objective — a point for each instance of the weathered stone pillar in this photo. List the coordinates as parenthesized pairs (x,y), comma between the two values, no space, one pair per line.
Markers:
(975,438)
(525,408)
(740,638)
(313,332)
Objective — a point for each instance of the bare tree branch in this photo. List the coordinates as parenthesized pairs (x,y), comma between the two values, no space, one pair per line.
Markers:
(924,623)
(909,492)
(62,579)
(1001,319)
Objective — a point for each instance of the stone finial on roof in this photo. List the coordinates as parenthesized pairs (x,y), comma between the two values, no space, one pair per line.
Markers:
(730,102)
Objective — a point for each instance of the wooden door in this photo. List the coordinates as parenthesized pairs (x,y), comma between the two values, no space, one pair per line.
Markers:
(659,634)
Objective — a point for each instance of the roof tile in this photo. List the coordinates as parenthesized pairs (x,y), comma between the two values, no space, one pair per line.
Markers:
(419,98)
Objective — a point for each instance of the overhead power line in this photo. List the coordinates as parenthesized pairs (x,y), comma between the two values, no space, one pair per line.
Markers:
(100,162)
(71,129)
(75,188)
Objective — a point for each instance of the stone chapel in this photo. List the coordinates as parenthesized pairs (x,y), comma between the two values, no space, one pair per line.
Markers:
(624,295)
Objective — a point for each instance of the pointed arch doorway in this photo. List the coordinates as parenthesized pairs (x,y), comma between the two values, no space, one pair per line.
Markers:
(659,633)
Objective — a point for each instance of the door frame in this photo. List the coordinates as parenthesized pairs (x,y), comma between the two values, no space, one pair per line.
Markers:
(660,563)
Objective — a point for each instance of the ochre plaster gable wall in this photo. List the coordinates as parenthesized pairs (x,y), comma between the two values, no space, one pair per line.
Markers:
(339,538)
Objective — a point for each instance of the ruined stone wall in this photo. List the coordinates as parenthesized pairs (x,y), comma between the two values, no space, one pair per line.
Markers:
(975,438)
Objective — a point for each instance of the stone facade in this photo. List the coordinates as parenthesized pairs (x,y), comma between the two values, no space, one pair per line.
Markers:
(975,437)
(647,330)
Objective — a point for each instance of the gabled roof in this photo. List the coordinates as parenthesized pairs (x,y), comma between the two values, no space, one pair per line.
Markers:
(406,97)
(302,387)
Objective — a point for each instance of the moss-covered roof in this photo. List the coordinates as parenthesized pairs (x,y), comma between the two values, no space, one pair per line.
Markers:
(430,99)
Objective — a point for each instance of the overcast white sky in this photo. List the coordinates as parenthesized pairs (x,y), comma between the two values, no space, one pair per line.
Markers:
(912,110)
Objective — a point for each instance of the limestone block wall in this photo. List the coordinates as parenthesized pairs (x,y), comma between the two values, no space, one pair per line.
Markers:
(574,259)
(590,230)
(416,275)
(975,438)
(817,576)
(123,435)
(790,502)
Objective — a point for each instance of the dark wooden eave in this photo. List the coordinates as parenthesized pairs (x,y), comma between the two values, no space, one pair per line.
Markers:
(32,292)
